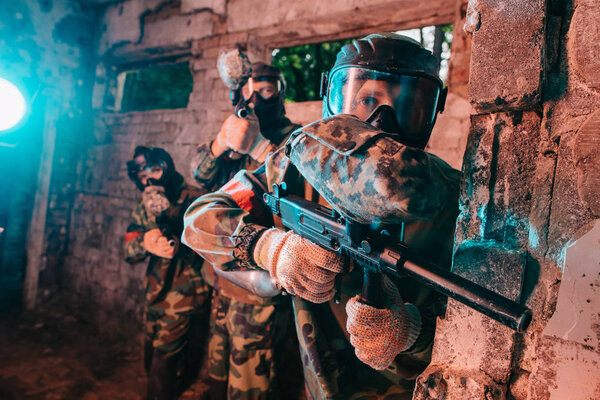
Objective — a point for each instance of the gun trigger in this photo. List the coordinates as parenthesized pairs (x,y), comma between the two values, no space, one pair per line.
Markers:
(337,297)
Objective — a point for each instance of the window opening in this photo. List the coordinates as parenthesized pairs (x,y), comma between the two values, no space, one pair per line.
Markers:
(302,65)
(154,88)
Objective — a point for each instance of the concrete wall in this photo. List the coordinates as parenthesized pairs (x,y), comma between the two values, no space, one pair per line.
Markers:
(142,31)
(529,221)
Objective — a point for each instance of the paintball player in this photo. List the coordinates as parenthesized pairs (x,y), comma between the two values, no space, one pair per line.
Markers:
(367,160)
(246,329)
(176,296)
(243,143)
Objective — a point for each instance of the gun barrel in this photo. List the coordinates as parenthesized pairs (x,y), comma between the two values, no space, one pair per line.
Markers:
(241,110)
(487,302)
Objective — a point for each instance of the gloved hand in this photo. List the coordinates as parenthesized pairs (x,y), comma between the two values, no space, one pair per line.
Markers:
(240,135)
(155,200)
(379,335)
(299,266)
(157,244)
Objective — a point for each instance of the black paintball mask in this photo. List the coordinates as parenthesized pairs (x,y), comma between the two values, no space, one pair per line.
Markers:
(145,158)
(389,81)
(268,102)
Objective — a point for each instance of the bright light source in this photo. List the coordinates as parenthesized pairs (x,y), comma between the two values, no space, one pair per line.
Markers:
(12,105)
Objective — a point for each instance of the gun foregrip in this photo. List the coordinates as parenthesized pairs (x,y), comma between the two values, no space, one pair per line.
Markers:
(166,232)
(372,292)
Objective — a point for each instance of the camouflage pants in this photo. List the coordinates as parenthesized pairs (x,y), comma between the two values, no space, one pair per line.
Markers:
(331,369)
(168,315)
(241,349)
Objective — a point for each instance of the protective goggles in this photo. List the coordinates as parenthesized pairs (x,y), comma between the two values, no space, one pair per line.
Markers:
(266,87)
(360,91)
(133,167)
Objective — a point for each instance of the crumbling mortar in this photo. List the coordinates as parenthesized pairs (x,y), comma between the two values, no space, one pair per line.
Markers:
(493,179)
(220,17)
(546,230)
(550,306)
(144,14)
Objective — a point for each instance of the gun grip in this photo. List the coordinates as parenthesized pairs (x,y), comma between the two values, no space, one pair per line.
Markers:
(372,292)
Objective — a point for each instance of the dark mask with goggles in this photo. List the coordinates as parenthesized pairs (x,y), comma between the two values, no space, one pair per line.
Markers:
(267,94)
(147,158)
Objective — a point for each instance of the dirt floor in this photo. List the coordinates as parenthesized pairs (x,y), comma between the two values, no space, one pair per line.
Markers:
(51,355)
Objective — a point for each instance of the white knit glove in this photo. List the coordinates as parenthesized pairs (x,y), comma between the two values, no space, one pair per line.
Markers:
(299,266)
(379,335)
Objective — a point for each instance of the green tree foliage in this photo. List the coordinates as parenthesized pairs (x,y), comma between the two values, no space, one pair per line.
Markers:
(302,67)
(163,87)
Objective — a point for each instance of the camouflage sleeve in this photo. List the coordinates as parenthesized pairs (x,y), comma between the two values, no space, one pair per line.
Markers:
(366,174)
(205,166)
(134,237)
(216,224)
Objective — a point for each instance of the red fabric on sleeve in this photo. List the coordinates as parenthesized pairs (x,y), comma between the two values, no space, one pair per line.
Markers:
(246,199)
(129,236)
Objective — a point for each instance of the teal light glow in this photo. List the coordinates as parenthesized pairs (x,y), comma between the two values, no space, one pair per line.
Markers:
(12,105)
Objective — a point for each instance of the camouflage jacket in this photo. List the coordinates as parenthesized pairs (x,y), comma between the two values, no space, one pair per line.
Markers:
(222,226)
(213,172)
(162,272)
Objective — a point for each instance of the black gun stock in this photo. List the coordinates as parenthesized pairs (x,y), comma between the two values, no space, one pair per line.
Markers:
(329,230)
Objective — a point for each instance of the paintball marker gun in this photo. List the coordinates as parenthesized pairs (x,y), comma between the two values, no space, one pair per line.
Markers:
(157,204)
(235,69)
(374,252)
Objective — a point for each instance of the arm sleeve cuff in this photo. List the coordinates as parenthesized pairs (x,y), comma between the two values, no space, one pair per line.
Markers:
(204,164)
(414,319)
(244,245)
(134,249)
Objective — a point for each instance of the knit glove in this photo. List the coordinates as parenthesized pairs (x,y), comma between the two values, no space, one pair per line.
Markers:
(154,242)
(379,335)
(155,200)
(299,266)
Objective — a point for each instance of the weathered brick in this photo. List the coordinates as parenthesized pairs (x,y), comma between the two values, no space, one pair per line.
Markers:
(587,161)
(499,169)
(507,55)
(491,265)
(583,44)
(569,213)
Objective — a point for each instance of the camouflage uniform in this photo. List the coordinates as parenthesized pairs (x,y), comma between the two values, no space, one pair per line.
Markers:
(245,328)
(213,172)
(234,216)
(174,288)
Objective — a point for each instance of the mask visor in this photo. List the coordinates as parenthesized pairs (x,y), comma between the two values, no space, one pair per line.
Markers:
(360,91)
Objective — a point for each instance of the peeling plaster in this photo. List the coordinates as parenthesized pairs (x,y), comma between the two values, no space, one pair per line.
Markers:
(576,317)
(534,237)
